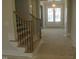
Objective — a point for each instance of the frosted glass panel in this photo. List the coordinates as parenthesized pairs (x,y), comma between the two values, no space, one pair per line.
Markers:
(57,14)
(50,15)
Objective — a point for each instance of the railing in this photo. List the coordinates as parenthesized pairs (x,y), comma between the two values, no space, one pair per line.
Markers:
(25,30)
(37,30)
(38,24)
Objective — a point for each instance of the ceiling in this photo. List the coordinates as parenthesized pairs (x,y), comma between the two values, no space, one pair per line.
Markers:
(54,0)
(51,0)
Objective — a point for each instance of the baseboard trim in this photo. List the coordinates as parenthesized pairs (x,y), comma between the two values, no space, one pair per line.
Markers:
(16,53)
(67,35)
(37,48)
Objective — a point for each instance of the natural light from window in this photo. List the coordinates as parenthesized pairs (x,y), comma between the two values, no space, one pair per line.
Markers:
(54,14)
(50,15)
(57,14)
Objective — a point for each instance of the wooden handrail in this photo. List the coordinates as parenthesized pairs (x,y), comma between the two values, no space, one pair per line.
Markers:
(35,17)
(24,18)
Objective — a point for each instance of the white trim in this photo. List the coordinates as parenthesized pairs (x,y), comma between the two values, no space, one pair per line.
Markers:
(67,34)
(15,53)
(35,51)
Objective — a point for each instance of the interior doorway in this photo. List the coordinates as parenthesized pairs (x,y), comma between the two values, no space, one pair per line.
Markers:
(55,16)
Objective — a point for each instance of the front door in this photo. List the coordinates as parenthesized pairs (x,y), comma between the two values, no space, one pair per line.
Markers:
(55,16)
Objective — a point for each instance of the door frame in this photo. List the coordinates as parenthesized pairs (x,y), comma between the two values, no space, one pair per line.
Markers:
(54,25)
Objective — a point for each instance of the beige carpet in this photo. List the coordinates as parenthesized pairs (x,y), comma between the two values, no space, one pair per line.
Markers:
(55,45)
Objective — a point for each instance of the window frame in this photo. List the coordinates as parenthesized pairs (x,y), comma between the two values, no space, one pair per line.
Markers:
(54,14)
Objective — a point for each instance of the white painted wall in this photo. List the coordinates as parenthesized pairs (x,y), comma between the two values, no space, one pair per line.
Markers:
(71,20)
(44,17)
(65,17)
(73,23)
(4,57)
(45,4)
(8,26)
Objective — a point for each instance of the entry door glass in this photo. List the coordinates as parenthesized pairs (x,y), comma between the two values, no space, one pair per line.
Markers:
(57,14)
(50,15)
(54,15)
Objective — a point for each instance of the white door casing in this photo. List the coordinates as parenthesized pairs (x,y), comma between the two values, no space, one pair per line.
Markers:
(54,23)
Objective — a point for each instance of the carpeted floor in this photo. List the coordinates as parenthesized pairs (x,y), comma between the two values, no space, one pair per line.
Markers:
(55,45)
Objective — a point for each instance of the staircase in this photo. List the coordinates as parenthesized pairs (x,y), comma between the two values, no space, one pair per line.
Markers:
(25,34)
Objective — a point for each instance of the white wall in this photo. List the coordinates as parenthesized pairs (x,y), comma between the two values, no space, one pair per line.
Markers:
(45,4)
(7,26)
(71,20)
(8,31)
(65,17)
(4,57)
(69,16)
(73,23)
(42,3)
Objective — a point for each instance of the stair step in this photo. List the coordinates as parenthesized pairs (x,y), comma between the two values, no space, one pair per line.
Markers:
(20,49)
(15,45)
(13,40)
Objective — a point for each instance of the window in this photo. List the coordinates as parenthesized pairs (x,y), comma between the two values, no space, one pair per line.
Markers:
(50,15)
(57,14)
(54,14)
